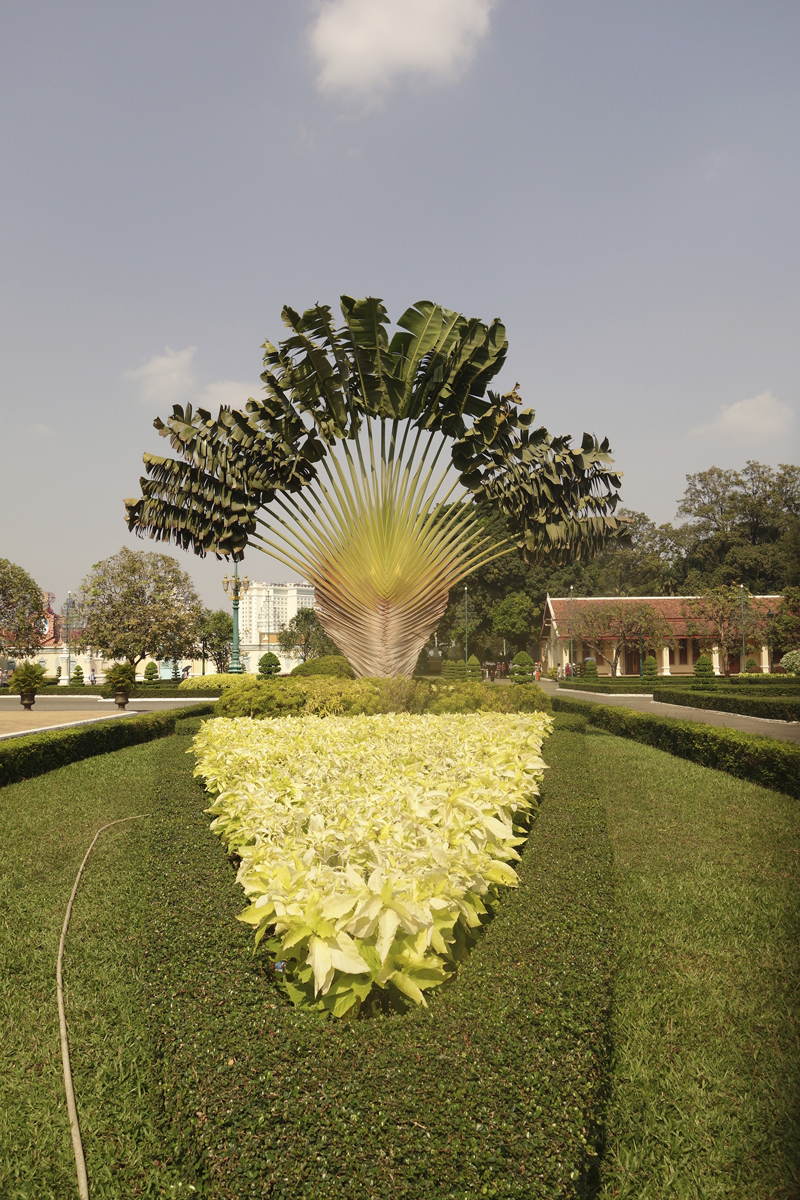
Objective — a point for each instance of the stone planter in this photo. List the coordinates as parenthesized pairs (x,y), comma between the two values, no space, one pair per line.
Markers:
(27,700)
(120,699)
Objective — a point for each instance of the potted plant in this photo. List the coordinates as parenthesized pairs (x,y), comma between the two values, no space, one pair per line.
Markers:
(27,678)
(120,681)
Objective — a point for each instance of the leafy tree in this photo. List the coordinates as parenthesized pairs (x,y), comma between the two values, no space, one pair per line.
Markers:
(77,676)
(303,637)
(268,665)
(624,623)
(785,627)
(23,619)
(216,636)
(716,617)
(512,618)
(139,605)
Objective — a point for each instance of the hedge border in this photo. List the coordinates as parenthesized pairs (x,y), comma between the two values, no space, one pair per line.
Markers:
(633,687)
(762,760)
(779,708)
(24,757)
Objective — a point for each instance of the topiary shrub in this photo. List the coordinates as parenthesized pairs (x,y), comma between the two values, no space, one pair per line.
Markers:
(650,668)
(77,676)
(151,673)
(704,672)
(335,665)
(523,669)
(268,665)
(474,668)
(791,662)
(753,667)
(448,674)
(590,672)
(58,672)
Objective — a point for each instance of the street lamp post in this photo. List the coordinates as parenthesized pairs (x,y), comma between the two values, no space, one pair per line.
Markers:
(770,615)
(571,657)
(742,667)
(238,587)
(466,629)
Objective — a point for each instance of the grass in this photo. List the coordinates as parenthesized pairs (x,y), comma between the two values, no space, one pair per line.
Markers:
(192,1070)
(706,1067)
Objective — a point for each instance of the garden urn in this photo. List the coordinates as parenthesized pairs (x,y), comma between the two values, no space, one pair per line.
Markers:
(27,700)
(120,698)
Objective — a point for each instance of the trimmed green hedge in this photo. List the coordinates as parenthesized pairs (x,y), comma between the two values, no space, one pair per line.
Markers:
(779,708)
(632,685)
(763,760)
(781,684)
(495,1090)
(37,753)
(168,690)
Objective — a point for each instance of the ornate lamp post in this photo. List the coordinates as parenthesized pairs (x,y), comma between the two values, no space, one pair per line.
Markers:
(238,587)
(571,655)
(466,628)
(742,665)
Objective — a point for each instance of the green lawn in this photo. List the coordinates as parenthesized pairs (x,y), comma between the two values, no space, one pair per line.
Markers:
(191,1069)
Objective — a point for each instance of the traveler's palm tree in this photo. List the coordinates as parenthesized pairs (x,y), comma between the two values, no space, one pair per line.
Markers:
(366,467)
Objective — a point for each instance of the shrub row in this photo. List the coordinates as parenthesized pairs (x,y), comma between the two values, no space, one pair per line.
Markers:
(763,760)
(254,697)
(24,757)
(632,686)
(495,1090)
(779,708)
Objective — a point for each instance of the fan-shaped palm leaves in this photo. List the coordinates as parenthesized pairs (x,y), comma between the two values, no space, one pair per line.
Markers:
(345,470)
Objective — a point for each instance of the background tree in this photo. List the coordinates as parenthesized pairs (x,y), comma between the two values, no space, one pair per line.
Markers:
(626,625)
(216,635)
(716,617)
(303,637)
(784,630)
(139,605)
(23,619)
(512,619)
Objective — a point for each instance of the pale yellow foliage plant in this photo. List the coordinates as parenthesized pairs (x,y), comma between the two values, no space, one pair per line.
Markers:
(371,845)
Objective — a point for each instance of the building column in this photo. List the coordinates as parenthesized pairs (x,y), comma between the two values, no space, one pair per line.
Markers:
(665,661)
(765,659)
(715,659)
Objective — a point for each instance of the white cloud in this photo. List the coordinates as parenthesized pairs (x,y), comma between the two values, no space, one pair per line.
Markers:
(169,378)
(166,379)
(363,46)
(763,416)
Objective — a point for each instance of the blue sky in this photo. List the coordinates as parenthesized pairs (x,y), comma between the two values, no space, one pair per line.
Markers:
(618,181)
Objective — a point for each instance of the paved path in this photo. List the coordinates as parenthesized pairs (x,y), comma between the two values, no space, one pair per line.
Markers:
(786,731)
(49,712)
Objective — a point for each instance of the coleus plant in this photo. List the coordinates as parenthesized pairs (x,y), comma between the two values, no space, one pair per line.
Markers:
(371,846)
(366,467)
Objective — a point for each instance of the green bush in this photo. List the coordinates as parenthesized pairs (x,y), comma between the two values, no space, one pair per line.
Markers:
(188,726)
(752,667)
(778,708)
(474,668)
(332,697)
(762,760)
(27,677)
(268,665)
(590,673)
(704,672)
(151,673)
(335,665)
(650,669)
(37,753)
(791,662)
(461,671)
(211,684)
(77,676)
(448,672)
(121,677)
(523,668)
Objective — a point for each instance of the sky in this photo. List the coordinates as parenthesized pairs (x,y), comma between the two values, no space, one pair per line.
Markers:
(618,181)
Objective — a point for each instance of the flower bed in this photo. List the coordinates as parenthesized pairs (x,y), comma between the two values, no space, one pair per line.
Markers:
(373,846)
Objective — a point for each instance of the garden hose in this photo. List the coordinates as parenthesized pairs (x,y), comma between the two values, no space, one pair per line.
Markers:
(77,1144)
